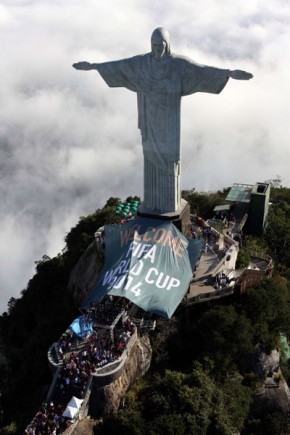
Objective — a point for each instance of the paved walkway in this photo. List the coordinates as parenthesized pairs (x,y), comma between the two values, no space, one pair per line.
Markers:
(211,257)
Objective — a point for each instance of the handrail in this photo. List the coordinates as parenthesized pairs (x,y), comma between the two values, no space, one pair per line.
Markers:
(257,254)
(122,359)
(211,295)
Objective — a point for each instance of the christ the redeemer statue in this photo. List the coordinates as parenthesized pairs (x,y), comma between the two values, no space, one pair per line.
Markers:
(160,78)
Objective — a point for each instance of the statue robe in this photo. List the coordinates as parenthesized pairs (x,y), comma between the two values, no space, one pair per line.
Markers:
(159,93)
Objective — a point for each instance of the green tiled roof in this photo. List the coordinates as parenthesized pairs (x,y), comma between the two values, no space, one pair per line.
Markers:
(225,207)
(240,193)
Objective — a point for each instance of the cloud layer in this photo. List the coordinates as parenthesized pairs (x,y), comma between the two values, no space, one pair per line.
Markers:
(68,142)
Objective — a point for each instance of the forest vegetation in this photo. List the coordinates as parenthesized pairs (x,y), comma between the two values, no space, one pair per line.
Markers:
(200,380)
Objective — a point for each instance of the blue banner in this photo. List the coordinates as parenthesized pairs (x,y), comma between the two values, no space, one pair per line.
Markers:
(146,261)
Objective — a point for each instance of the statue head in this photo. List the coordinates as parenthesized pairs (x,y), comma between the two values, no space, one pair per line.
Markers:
(160,44)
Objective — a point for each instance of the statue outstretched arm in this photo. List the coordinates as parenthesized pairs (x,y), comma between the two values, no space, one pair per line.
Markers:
(237,74)
(85,66)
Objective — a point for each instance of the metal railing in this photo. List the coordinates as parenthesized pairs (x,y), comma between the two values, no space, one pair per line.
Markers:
(217,294)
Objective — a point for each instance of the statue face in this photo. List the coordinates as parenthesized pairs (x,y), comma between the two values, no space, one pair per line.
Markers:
(158,48)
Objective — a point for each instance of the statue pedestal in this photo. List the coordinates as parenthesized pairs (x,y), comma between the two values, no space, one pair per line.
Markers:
(180,218)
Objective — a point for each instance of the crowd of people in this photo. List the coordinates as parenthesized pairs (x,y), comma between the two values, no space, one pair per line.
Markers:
(66,341)
(100,237)
(202,231)
(105,313)
(79,361)
(98,350)
(73,376)
(100,233)
(48,420)
(222,280)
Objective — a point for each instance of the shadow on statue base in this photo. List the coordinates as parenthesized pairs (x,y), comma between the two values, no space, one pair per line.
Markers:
(180,218)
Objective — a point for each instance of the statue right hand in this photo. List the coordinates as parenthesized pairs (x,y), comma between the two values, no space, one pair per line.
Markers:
(237,74)
(85,66)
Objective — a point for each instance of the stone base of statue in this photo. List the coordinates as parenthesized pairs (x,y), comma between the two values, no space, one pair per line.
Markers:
(180,218)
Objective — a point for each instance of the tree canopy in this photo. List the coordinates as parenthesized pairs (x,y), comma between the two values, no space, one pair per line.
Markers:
(198,381)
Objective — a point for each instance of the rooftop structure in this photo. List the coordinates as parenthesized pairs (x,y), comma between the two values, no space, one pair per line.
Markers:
(240,193)
(248,203)
(216,275)
(258,208)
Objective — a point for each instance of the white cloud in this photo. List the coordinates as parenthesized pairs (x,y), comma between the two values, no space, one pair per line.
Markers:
(68,142)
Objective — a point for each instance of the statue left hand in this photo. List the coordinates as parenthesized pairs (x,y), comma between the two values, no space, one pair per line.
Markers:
(84,66)
(237,74)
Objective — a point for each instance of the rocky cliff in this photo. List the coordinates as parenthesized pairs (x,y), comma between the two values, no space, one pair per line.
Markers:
(108,398)
(274,394)
(85,274)
(105,399)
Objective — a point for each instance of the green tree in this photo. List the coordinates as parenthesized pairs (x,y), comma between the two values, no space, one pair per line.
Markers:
(185,403)
(268,309)
(37,319)
(238,409)
(224,335)
(9,429)
(242,259)
(126,421)
(280,195)
(203,204)
(133,198)
(278,233)
(80,236)
(112,202)
(269,424)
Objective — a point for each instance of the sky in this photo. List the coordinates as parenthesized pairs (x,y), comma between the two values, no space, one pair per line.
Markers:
(68,142)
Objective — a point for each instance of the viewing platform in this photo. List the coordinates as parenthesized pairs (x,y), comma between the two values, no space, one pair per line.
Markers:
(90,354)
(216,275)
